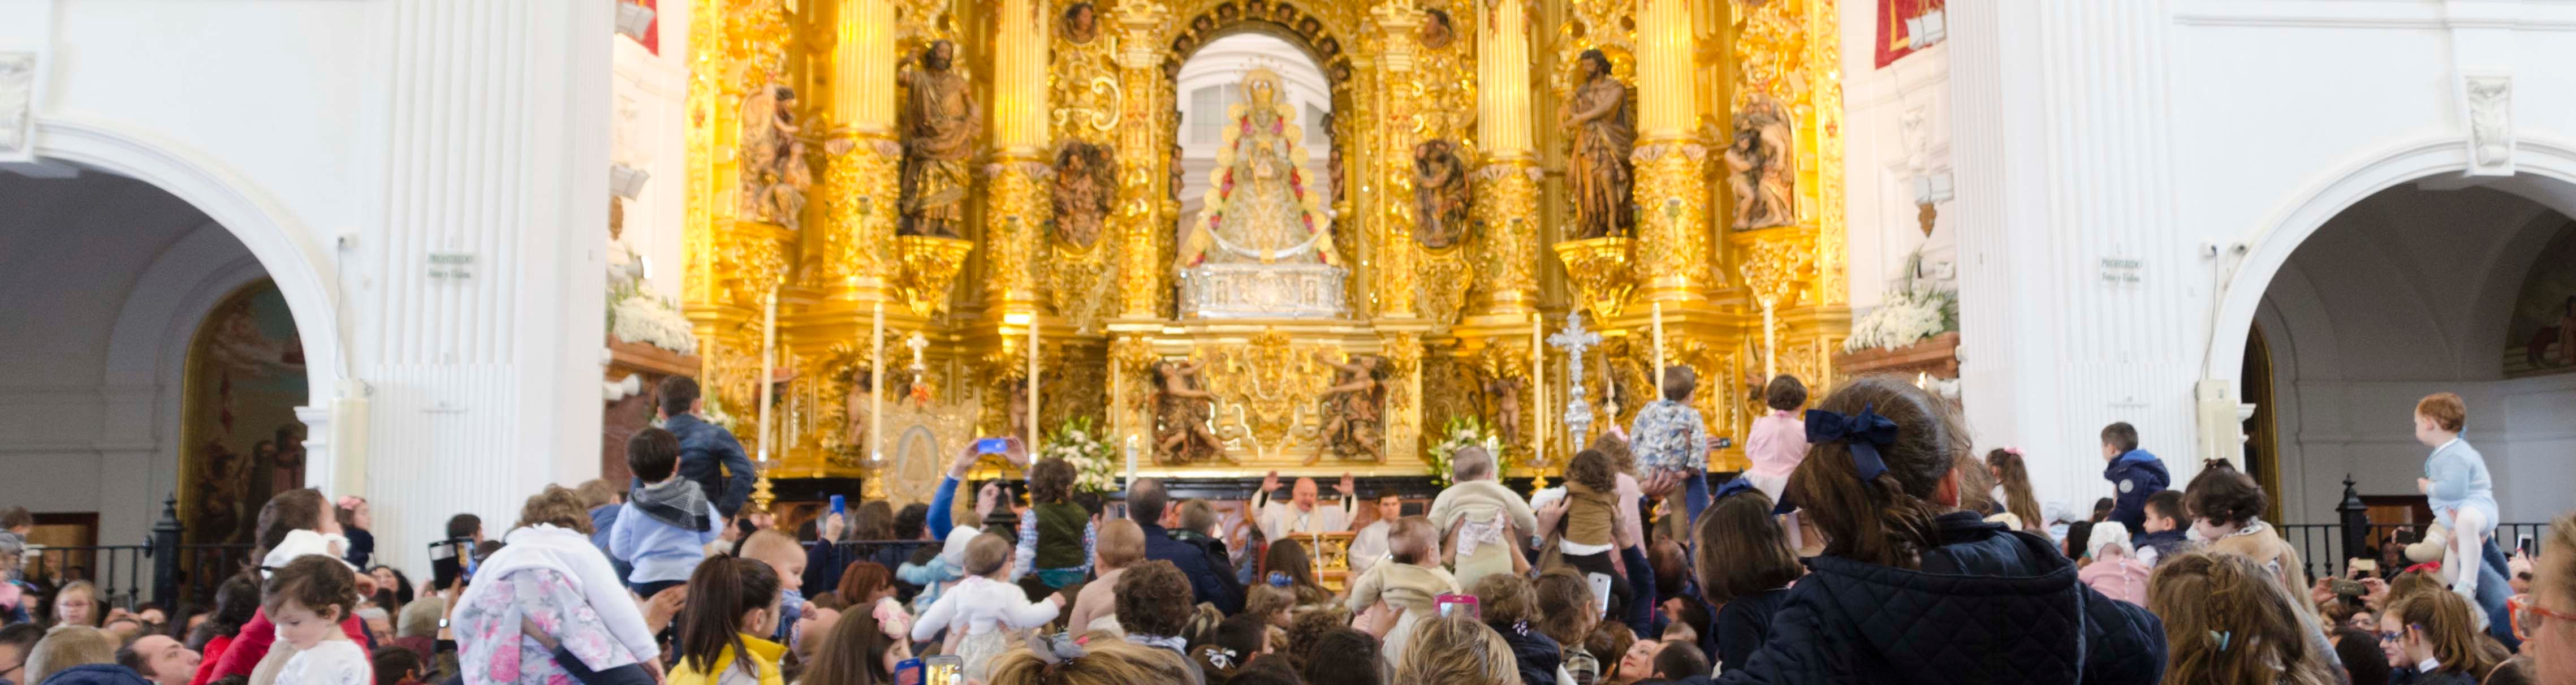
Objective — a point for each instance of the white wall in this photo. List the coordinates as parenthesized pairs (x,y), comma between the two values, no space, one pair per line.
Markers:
(1896,128)
(2148,130)
(2403,295)
(342,143)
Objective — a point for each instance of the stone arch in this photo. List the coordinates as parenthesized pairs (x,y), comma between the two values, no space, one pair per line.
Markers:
(2547,175)
(282,244)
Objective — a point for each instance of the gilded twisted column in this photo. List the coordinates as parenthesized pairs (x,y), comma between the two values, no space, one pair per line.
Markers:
(1672,214)
(1507,186)
(1142,152)
(1019,211)
(1399,91)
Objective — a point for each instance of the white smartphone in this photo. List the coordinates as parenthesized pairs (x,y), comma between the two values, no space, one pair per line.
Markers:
(1600,591)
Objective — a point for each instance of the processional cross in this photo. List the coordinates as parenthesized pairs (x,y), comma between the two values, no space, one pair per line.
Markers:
(1574,339)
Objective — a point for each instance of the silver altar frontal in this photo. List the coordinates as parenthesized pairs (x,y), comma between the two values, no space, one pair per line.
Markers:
(1251,290)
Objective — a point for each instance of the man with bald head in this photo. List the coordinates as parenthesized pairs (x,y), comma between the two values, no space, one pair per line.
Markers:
(1211,576)
(1301,514)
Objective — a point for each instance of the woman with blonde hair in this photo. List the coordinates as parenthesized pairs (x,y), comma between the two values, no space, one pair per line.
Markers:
(76,604)
(1457,650)
(1095,659)
(2226,622)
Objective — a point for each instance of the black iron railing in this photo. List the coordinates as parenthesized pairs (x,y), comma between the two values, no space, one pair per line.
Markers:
(2326,548)
(162,571)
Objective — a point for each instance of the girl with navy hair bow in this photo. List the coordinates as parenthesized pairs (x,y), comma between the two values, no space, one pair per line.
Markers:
(1910,589)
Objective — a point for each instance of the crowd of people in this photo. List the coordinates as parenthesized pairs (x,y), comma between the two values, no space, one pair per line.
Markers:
(1868,543)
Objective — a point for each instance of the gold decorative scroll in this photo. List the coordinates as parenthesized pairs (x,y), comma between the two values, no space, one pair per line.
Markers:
(1599,270)
(1672,216)
(1442,280)
(1776,264)
(926,267)
(1266,391)
(1013,226)
(1507,208)
(859,213)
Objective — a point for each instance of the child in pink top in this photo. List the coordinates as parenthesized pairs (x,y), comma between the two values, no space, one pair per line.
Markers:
(1778,442)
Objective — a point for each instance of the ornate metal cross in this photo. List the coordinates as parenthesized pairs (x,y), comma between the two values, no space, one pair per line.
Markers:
(1574,339)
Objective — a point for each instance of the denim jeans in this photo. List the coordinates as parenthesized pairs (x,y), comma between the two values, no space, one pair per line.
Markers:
(2492,592)
(1694,496)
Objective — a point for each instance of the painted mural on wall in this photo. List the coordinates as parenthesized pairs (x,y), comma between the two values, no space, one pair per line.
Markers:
(240,439)
(2542,336)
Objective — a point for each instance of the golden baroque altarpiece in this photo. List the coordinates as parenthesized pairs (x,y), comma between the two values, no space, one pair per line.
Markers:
(902,332)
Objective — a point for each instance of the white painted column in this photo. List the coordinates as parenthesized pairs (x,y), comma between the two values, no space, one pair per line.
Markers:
(483,387)
(2063,156)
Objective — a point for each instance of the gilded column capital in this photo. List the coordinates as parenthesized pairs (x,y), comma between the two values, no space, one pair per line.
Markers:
(1137,49)
(1776,264)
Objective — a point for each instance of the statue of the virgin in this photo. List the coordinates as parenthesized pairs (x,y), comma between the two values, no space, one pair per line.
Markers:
(1259,209)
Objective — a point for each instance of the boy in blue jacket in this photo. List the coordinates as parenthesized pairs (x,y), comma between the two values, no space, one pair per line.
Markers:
(2136,473)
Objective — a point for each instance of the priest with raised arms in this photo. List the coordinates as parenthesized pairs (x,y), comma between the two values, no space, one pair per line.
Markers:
(1301,514)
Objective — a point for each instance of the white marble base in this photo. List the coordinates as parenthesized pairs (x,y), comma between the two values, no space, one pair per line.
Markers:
(1270,291)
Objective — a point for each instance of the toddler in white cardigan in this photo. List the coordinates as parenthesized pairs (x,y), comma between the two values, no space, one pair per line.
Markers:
(984,613)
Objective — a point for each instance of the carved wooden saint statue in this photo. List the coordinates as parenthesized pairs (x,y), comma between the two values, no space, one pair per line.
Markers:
(1506,395)
(1598,176)
(1080,23)
(1181,414)
(1439,195)
(939,137)
(1354,409)
(774,175)
(1086,183)
(1759,169)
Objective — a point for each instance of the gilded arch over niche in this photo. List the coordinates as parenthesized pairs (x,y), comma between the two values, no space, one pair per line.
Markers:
(1328,34)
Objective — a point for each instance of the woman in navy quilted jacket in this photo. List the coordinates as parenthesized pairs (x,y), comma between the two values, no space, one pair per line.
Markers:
(1911,589)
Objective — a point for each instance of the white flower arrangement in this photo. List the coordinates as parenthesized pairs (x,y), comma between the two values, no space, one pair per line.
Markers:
(1076,442)
(643,318)
(1914,311)
(637,315)
(1463,432)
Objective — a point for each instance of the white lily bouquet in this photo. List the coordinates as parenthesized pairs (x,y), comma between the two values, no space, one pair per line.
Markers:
(1094,461)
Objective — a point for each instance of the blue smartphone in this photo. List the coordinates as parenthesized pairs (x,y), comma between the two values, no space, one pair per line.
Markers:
(840,505)
(992,446)
(907,672)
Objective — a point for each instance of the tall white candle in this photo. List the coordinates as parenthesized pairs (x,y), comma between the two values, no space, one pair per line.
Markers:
(876,383)
(1033,381)
(768,354)
(1771,345)
(1131,460)
(1659,343)
(1538,390)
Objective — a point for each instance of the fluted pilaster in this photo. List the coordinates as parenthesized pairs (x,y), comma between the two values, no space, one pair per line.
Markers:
(472,382)
(1507,187)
